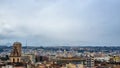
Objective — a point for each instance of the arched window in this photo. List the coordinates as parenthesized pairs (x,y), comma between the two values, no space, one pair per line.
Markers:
(18,60)
(13,60)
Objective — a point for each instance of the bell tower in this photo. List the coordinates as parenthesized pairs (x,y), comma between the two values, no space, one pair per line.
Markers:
(15,55)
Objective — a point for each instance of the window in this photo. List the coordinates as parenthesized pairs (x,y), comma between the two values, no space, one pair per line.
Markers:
(13,60)
(18,60)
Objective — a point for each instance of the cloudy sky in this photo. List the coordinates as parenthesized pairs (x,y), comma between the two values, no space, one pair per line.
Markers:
(60,22)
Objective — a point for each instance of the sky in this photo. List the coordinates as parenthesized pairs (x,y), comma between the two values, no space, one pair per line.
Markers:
(60,22)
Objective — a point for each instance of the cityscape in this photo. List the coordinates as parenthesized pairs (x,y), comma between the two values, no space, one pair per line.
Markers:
(18,56)
(59,33)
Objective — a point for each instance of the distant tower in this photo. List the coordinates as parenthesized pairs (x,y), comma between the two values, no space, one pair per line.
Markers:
(15,55)
(26,47)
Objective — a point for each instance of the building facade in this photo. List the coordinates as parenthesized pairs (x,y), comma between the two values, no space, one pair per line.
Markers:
(15,55)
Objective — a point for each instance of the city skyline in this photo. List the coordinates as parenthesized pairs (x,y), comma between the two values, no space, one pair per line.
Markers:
(60,23)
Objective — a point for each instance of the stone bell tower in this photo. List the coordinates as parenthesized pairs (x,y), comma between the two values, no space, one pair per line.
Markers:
(15,55)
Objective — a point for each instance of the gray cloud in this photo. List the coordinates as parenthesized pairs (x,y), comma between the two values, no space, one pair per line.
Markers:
(42,21)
